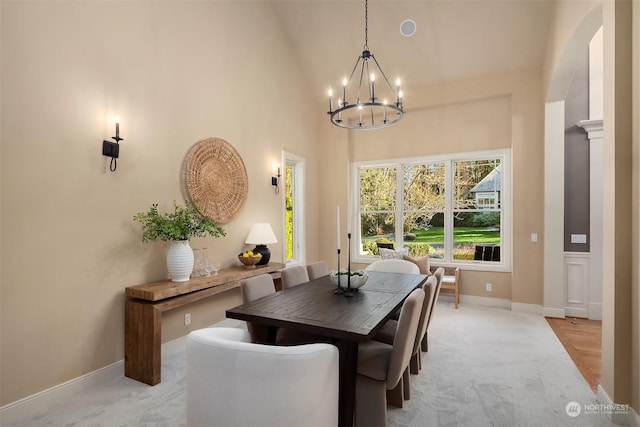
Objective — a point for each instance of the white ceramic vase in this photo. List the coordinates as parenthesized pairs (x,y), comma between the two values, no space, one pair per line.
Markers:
(180,261)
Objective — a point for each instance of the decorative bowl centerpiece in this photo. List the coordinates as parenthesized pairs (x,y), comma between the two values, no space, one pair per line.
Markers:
(249,259)
(358,278)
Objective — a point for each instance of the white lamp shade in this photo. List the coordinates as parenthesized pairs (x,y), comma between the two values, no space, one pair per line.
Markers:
(261,234)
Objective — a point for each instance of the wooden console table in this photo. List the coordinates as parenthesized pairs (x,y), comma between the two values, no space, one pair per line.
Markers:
(145,304)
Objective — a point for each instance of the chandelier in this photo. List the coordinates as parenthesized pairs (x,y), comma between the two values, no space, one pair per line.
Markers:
(368,111)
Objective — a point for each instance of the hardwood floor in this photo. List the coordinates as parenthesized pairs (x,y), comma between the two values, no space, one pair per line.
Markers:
(582,338)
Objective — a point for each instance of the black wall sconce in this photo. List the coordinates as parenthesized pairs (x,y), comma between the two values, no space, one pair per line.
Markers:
(275,180)
(112,149)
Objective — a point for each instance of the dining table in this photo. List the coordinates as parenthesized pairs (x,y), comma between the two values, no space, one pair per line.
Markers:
(314,307)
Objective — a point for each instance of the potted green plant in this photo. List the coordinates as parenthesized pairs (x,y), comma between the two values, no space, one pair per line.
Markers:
(177,227)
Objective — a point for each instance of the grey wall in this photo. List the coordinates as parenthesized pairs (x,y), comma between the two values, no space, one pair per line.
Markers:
(576,163)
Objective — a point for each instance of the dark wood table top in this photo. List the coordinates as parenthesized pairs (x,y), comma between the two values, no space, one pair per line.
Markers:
(313,307)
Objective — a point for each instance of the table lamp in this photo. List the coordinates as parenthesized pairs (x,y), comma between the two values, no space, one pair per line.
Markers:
(260,235)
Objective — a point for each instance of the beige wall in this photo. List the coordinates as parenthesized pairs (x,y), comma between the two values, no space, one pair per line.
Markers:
(621,301)
(635,279)
(617,219)
(497,111)
(175,75)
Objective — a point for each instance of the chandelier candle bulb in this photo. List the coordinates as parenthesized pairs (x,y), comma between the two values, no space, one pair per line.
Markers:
(384,119)
(373,88)
(330,93)
(344,91)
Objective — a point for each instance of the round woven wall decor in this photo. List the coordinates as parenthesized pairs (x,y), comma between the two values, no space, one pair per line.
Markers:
(216,179)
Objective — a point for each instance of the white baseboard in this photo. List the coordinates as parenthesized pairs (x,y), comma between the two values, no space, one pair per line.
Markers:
(491,302)
(595,310)
(39,403)
(521,307)
(630,418)
(553,312)
(576,312)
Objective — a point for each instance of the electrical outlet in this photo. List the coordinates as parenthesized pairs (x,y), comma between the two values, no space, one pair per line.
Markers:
(488,287)
(187,319)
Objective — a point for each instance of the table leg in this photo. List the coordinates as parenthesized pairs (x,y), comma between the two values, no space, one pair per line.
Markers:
(272,334)
(142,336)
(348,373)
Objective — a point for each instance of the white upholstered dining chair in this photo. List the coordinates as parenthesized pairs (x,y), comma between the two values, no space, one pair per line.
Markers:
(381,366)
(233,382)
(393,266)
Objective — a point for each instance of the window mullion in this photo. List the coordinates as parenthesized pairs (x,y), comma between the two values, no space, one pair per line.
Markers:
(399,212)
(448,211)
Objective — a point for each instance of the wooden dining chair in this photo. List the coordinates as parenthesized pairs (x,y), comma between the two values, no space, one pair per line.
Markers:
(381,366)
(294,276)
(317,269)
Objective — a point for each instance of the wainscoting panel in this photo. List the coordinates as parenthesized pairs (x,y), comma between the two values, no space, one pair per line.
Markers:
(576,283)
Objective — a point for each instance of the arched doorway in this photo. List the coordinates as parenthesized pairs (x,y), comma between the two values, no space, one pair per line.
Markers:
(558,275)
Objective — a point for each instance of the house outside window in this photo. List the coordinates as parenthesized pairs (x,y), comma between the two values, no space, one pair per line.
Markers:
(455,208)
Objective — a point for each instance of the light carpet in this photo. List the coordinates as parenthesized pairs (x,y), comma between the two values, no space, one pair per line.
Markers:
(485,367)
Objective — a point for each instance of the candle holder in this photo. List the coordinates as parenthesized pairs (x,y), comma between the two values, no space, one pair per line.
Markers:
(348,292)
(338,289)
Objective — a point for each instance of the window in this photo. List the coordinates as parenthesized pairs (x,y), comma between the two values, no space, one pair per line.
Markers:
(455,208)
(293,209)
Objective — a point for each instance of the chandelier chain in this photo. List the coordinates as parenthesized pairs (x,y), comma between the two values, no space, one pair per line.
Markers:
(366,25)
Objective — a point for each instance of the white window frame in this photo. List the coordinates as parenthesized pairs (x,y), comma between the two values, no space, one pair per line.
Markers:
(299,245)
(504,265)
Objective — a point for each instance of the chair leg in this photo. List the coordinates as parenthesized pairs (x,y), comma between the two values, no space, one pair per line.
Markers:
(456,296)
(424,344)
(414,364)
(395,395)
(371,405)
(406,384)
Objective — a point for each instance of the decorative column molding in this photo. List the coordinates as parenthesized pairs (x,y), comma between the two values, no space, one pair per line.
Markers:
(595,133)
(593,127)
(554,289)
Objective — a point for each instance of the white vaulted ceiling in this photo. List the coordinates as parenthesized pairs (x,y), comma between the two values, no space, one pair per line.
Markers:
(454,40)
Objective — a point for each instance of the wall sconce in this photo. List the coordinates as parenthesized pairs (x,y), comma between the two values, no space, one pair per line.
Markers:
(112,149)
(275,180)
